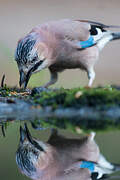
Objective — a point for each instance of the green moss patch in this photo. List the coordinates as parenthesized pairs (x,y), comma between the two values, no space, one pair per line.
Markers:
(79,97)
(99,107)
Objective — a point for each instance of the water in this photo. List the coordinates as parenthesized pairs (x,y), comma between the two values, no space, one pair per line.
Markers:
(107,141)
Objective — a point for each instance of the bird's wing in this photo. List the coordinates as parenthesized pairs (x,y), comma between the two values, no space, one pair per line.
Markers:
(76,174)
(84,148)
(68,29)
(86,33)
(55,138)
(63,29)
(82,33)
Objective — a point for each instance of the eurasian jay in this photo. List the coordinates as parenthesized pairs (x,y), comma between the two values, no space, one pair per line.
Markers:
(61,158)
(60,45)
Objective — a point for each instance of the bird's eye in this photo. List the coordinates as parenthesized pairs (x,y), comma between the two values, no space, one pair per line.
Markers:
(36,153)
(33,60)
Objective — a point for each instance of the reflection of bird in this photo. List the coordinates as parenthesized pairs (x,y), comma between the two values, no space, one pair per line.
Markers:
(63,44)
(61,158)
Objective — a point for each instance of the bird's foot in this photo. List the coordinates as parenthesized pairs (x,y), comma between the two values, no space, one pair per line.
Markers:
(38,90)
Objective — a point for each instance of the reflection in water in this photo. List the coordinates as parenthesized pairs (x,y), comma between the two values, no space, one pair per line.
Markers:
(61,158)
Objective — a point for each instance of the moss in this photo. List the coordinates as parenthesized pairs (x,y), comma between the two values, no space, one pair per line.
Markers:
(11,92)
(99,99)
(79,125)
(95,97)
(78,97)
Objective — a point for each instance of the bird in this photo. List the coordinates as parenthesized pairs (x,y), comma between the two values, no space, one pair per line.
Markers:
(62,44)
(61,158)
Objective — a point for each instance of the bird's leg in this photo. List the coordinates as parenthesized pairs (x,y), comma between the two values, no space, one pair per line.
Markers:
(53,79)
(91,76)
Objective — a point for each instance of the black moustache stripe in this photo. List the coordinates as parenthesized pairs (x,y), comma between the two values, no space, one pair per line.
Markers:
(32,70)
(34,143)
(36,65)
(38,146)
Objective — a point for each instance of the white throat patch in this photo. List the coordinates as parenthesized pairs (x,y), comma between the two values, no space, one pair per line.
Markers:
(103,41)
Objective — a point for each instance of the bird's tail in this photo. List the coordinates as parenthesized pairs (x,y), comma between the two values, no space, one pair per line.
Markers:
(115,36)
(105,168)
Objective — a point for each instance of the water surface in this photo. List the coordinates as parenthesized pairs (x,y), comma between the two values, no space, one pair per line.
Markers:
(107,141)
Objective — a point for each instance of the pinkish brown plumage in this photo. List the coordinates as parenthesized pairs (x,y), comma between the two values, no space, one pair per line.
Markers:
(56,159)
(61,158)
(60,45)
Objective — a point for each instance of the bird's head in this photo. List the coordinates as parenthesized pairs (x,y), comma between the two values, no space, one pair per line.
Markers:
(32,156)
(29,56)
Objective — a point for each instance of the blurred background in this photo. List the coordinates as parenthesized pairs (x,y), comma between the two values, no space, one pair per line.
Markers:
(19,17)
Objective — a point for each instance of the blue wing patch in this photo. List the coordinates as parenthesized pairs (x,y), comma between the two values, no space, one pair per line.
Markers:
(85,44)
(89,165)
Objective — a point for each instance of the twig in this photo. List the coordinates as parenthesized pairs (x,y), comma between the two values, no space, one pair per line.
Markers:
(2,81)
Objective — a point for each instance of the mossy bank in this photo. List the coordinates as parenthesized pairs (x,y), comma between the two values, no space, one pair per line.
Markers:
(78,108)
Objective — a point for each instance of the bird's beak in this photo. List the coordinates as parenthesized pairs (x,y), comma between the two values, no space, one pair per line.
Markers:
(29,137)
(24,78)
(25,134)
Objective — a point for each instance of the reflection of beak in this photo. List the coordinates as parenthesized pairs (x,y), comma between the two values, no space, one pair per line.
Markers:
(29,137)
(24,133)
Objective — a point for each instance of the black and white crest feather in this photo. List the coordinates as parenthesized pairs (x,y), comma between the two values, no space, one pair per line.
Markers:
(23,50)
